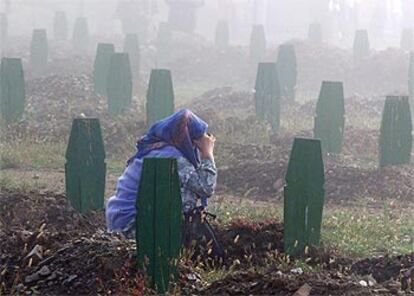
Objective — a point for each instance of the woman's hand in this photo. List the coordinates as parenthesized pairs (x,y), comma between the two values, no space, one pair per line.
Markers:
(206,146)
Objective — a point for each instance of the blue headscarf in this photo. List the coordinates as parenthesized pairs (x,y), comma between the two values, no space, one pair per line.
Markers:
(178,130)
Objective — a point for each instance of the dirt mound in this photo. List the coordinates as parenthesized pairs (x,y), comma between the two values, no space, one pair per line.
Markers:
(278,283)
(86,266)
(46,211)
(266,180)
(384,268)
(53,102)
(47,248)
(251,242)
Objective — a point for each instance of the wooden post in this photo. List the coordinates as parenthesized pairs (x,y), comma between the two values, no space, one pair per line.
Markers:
(222,35)
(257,44)
(158,221)
(119,84)
(407,40)
(39,49)
(361,45)
(303,196)
(163,45)
(287,69)
(101,66)
(81,34)
(85,167)
(12,90)
(396,137)
(315,34)
(411,83)
(160,96)
(3,33)
(330,116)
(131,47)
(267,94)
(60,26)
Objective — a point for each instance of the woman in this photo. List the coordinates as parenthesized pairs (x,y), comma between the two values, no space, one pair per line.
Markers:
(183,136)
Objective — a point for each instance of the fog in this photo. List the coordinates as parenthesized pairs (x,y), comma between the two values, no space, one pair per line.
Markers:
(283,20)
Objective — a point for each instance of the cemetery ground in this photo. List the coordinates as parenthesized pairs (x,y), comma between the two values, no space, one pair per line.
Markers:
(47,248)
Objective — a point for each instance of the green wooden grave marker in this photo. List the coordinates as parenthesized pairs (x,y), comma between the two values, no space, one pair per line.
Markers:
(131,47)
(85,167)
(163,45)
(267,94)
(361,45)
(315,33)
(39,49)
(411,83)
(119,84)
(81,34)
(396,137)
(257,44)
(12,90)
(407,39)
(287,70)
(102,63)
(60,26)
(158,221)
(160,96)
(3,32)
(303,196)
(222,35)
(330,116)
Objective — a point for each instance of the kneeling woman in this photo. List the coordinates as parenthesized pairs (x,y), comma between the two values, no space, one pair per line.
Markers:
(183,136)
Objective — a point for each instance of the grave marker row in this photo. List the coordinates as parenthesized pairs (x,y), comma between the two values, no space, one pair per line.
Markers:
(102,66)
(39,49)
(287,69)
(12,90)
(315,34)
(119,84)
(304,196)
(81,36)
(85,167)
(3,32)
(395,143)
(267,95)
(222,35)
(361,45)
(131,47)
(60,26)
(257,44)
(330,116)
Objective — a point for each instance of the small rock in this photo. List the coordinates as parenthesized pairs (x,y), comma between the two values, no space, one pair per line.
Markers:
(52,277)
(19,287)
(25,235)
(363,283)
(70,279)
(44,271)
(31,278)
(191,277)
(370,280)
(297,271)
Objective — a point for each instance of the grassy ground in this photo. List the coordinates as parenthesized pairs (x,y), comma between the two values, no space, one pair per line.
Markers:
(356,230)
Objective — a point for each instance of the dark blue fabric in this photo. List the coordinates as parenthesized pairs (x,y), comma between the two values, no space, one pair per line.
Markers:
(120,208)
(178,130)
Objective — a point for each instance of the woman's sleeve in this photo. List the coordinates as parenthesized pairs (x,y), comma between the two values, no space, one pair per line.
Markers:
(201,181)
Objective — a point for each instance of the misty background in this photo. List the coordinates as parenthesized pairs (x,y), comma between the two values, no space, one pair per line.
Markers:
(283,19)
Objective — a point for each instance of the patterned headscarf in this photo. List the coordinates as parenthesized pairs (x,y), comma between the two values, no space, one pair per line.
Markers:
(179,130)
